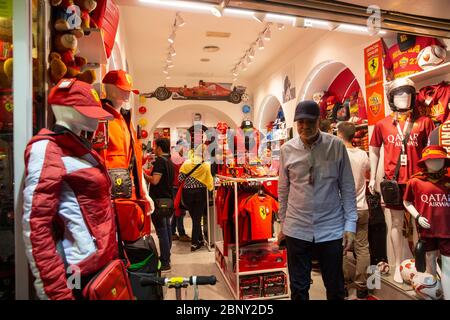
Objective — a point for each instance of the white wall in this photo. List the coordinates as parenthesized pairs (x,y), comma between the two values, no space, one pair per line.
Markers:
(340,47)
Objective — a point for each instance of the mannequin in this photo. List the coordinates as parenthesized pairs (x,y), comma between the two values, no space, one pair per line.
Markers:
(390,132)
(133,210)
(68,220)
(427,200)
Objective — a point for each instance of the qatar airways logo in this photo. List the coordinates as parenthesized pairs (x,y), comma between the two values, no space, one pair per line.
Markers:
(397,140)
(436,200)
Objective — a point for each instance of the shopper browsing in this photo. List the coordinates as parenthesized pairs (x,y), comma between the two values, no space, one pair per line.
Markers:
(317,204)
(197,176)
(361,169)
(161,188)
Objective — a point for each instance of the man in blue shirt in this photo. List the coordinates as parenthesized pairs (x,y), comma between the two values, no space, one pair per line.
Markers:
(317,204)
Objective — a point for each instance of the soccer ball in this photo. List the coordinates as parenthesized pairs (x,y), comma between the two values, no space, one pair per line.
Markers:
(431,56)
(383,267)
(427,286)
(408,270)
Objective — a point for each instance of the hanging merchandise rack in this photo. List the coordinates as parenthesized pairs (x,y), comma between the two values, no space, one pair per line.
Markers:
(260,282)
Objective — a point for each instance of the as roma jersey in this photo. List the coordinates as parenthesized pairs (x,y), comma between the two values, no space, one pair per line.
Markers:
(387,134)
(432,201)
(434,101)
(404,63)
(260,211)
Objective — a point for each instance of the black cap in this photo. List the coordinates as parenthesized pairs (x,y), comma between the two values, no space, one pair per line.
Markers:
(307,109)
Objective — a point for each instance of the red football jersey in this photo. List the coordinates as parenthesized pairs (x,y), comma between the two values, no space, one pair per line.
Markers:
(404,63)
(260,210)
(386,134)
(432,201)
(434,101)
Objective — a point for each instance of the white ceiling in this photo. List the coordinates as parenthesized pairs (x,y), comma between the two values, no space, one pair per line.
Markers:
(147,28)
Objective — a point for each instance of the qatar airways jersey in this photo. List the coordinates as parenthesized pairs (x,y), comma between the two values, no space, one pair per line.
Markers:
(404,63)
(387,134)
(259,210)
(434,101)
(432,201)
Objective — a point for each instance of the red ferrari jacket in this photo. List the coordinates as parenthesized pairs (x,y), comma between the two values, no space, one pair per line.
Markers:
(68,218)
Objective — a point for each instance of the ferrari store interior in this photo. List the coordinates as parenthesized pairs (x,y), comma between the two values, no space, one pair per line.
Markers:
(227,73)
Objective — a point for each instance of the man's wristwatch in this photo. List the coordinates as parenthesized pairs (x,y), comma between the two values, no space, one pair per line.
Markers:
(417,218)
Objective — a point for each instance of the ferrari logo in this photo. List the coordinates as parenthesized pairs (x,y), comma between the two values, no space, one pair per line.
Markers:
(129,79)
(373,66)
(262,213)
(119,181)
(95,95)
(114,292)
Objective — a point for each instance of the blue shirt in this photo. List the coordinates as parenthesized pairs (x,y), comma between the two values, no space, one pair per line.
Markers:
(316,190)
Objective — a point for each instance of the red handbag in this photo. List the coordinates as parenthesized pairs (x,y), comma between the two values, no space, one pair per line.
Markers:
(132,218)
(111,283)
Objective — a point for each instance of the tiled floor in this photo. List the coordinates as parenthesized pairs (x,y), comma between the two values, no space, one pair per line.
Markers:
(186,263)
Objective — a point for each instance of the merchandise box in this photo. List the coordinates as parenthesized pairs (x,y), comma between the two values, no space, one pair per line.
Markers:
(260,256)
(250,287)
(274,284)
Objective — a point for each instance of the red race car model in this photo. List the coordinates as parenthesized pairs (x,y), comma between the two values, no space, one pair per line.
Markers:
(204,91)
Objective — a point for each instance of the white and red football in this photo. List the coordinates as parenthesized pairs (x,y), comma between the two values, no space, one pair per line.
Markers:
(427,286)
(408,270)
(383,267)
(431,56)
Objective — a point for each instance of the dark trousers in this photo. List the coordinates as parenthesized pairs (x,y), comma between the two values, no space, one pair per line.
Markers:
(164,232)
(329,255)
(195,201)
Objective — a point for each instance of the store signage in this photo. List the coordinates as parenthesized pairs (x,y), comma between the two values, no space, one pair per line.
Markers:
(373,60)
(6,8)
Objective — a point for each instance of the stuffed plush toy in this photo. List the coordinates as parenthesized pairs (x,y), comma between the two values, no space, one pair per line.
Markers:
(68,17)
(86,7)
(64,62)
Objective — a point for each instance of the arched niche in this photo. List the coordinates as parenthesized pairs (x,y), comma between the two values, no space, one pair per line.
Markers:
(268,111)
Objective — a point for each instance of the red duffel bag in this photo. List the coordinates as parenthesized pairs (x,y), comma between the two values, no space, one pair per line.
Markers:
(111,283)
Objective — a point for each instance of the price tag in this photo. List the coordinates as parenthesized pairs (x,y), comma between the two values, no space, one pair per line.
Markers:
(403,159)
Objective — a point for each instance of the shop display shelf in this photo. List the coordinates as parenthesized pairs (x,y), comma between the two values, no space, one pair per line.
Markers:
(284,296)
(246,273)
(246,179)
(441,70)
(92,46)
(230,287)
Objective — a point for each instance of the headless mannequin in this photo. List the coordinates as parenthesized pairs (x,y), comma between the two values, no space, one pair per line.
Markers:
(433,165)
(73,120)
(119,99)
(402,102)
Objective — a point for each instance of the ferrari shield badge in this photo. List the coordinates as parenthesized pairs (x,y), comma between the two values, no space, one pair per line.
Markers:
(373,66)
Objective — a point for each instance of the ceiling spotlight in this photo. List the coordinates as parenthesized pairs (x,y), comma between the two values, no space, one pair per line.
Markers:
(170,65)
(168,77)
(165,71)
(235,73)
(267,34)
(172,51)
(169,58)
(251,53)
(179,21)
(218,10)
(259,16)
(260,44)
(249,60)
(280,26)
(171,38)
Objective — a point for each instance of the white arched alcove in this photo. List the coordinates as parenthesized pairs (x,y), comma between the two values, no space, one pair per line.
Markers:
(267,111)
(320,78)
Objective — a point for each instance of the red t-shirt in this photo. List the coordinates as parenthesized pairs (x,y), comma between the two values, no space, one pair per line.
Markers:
(386,134)
(259,210)
(432,201)
(434,101)
(404,63)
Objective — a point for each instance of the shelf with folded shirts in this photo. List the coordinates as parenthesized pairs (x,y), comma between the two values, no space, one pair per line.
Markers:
(237,260)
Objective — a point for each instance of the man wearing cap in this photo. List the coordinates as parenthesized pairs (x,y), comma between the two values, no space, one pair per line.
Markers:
(67,219)
(317,199)
(123,151)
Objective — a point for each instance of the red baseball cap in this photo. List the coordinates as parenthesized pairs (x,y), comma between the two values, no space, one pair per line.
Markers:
(434,152)
(79,95)
(120,79)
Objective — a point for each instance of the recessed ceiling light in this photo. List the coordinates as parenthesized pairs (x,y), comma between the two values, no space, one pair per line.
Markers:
(211,48)
(205,60)
(171,38)
(260,44)
(172,51)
